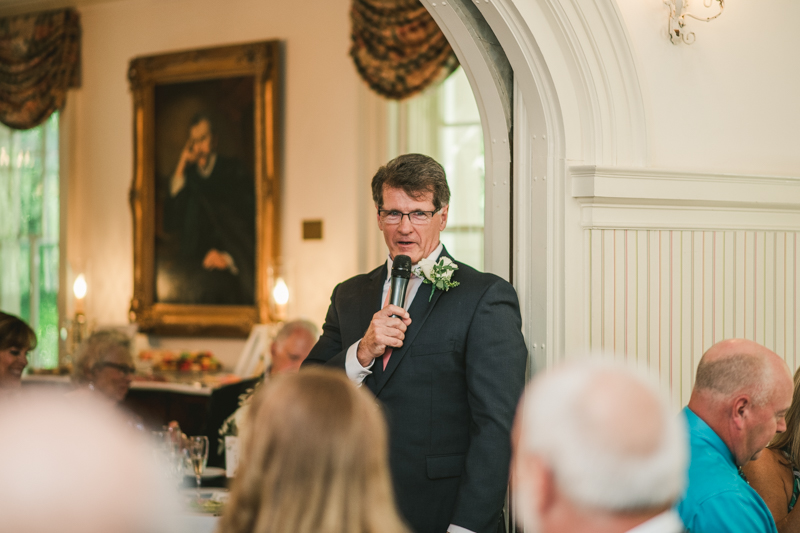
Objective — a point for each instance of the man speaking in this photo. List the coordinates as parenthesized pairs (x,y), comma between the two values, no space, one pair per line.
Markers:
(448,369)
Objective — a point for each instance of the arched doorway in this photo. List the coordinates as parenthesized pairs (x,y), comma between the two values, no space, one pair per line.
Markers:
(569,95)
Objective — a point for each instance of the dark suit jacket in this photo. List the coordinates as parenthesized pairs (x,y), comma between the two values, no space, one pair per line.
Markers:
(449,393)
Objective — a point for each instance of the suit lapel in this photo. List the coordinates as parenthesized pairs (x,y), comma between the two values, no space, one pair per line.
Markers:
(372,295)
(420,310)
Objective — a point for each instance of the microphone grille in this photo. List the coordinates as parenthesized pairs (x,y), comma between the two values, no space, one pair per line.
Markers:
(401,264)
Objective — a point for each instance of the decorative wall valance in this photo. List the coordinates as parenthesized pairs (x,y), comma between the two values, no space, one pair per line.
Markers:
(397,47)
(39,61)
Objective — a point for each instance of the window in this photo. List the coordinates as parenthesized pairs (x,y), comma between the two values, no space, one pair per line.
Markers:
(29,232)
(444,123)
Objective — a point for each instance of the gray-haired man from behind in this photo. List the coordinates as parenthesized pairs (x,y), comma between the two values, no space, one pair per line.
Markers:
(596,449)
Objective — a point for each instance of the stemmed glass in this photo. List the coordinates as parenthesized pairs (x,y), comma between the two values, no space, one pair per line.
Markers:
(198,454)
(169,442)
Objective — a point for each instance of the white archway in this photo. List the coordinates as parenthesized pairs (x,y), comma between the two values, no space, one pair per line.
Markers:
(577,101)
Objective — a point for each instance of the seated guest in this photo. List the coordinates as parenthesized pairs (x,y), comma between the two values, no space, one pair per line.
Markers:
(315,461)
(775,474)
(104,365)
(597,449)
(16,340)
(741,394)
(291,346)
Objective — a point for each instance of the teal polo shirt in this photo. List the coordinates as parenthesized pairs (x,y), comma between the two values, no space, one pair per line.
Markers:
(717,499)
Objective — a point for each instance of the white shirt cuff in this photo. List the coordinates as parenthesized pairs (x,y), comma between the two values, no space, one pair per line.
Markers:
(458,529)
(355,371)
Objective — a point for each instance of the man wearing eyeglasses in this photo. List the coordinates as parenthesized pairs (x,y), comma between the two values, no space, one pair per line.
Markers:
(449,369)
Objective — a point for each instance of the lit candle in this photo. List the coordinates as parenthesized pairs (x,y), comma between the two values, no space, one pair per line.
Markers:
(79,289)
(280,294)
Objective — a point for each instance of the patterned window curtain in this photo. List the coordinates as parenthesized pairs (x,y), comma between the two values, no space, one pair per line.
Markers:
(397,47)
(39,61)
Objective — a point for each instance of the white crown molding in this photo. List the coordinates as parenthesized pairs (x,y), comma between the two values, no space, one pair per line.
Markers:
(617,197)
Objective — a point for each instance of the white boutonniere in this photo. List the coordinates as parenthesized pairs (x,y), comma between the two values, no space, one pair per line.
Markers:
(438,274)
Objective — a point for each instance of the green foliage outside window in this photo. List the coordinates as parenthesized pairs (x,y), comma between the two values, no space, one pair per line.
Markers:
(29,232)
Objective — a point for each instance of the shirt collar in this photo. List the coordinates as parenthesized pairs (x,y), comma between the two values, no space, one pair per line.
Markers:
(433,256)
(698,427)
(661,523)
(206,172)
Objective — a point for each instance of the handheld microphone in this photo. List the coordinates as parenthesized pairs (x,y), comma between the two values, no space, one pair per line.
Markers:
(401,272)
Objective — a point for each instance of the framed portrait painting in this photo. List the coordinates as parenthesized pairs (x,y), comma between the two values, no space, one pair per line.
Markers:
(205,188)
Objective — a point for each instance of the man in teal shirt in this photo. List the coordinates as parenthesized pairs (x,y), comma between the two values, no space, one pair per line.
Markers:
(741,394)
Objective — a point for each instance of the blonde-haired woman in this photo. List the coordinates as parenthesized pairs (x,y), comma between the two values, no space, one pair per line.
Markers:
(313,461)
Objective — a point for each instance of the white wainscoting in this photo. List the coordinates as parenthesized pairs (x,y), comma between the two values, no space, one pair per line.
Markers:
(662,297)
(669,272)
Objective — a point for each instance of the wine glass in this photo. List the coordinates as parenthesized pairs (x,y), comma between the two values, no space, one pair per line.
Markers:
(170,454)
(198,455)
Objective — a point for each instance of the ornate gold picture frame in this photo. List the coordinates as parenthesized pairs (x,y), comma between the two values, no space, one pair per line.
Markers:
(205,192)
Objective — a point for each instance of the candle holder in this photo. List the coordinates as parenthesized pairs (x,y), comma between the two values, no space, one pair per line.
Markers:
(78,327)
(679,11)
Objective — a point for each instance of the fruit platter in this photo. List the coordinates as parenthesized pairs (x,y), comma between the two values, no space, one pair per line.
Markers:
(180,361)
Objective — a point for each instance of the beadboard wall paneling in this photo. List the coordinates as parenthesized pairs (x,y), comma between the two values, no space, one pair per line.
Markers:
(660,298)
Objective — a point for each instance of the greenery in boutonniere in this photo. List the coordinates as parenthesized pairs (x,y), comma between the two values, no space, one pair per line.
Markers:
(437,274)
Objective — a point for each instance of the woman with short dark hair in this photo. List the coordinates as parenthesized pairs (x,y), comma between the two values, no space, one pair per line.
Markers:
(16,340)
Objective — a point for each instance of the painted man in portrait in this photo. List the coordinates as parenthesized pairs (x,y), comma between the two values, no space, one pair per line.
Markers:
(210,208)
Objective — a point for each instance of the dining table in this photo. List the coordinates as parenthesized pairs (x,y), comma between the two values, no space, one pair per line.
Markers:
(195,519)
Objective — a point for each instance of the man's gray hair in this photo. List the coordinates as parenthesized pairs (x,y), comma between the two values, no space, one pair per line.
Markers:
(416,175)
(289,328)
(607,435)
(739,373)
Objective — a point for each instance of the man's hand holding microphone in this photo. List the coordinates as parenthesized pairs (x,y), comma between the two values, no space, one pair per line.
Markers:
(387,329)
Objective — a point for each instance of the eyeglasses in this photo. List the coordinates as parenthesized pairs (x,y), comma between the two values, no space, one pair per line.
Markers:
(125,369)
(418,218)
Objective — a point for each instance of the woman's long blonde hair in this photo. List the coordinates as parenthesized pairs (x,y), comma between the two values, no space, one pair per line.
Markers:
(789,440)
(313,461)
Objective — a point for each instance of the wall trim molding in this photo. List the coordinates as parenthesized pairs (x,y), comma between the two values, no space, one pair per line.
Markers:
(620,197)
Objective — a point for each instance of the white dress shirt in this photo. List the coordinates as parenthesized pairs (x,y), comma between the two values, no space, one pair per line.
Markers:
(666,522)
